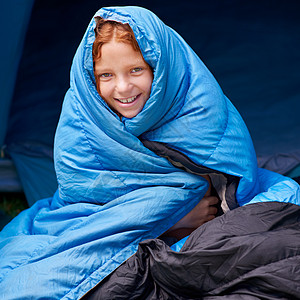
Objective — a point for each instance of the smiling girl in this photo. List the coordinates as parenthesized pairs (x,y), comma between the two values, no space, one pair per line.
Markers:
(124,80)
(145,138)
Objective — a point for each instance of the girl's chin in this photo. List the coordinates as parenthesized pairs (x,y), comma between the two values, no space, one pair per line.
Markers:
(129,114)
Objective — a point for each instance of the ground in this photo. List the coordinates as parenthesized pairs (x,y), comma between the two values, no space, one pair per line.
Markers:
(11,204)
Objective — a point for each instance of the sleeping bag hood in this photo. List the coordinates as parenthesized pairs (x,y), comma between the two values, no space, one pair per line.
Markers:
(187,111)
(124,181)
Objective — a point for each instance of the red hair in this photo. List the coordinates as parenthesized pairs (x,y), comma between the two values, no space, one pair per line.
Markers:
(107,30)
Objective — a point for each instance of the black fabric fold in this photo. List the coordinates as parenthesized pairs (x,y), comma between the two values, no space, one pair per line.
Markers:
(251,252)
(183,162)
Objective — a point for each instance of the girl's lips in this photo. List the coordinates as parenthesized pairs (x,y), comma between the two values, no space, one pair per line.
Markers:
(125,102)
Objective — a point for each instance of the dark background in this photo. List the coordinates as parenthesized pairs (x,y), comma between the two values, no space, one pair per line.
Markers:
(251,47)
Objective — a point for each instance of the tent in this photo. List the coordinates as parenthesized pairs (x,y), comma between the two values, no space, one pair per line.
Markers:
(251,47)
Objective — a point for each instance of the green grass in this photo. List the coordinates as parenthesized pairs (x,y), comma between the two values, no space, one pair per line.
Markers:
(11,204)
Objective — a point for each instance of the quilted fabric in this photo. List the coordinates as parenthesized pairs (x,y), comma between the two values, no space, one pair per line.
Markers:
(113,191)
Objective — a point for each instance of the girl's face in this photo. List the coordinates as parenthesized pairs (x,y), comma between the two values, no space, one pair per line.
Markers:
(124,78)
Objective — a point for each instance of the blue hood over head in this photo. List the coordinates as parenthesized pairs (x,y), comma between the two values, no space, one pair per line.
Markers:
(187,110)
(113,191)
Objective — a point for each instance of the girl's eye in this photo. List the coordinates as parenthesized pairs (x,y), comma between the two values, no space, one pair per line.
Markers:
(105,75)
(136,70)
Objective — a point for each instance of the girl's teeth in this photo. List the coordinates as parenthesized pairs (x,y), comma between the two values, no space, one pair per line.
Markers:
(128,100)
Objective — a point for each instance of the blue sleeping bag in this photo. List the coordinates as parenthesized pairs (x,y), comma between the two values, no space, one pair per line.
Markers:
(115,192)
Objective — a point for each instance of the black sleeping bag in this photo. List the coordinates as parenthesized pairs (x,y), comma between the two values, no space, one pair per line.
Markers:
(252,252)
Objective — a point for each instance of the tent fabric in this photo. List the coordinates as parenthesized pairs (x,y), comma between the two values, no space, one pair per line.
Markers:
(34,174)
(12,37)
(251,48)
(32,165)
(113,191)
(9,181)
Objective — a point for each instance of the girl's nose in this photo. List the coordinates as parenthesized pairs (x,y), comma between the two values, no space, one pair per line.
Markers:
(123,84)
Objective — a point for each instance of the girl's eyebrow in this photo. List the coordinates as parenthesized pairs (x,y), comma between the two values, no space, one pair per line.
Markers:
(107,69)
(101,70)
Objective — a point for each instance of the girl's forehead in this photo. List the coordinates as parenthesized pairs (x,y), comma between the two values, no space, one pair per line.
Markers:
(118,54)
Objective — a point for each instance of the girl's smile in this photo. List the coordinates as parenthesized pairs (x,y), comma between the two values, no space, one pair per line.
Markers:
(124,78)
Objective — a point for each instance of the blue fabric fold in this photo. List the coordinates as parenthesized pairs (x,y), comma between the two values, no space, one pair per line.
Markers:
(113,191)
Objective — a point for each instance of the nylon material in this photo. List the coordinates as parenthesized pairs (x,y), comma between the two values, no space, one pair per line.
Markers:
(153,104)
(274,186)
(109,178)
(177,246)
(230,195)
(164,110)
(258,233)
(235,153)
(62,216)
(93,280)
(99,159)
(188,181)
(219,182)
(194,117)
(23,224)
(282,163)
(181,166)
(94,141)
(148,45)
(117,209)
(76,238)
